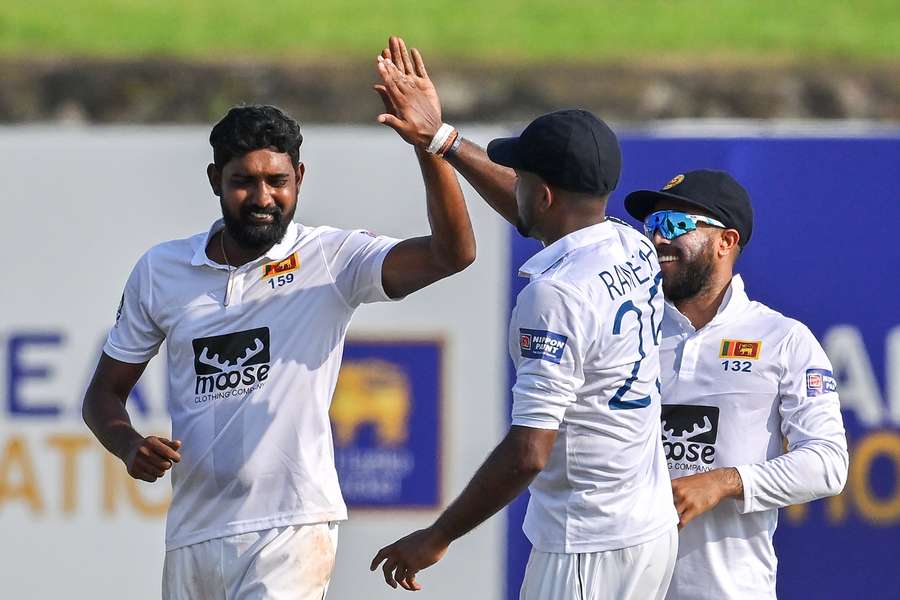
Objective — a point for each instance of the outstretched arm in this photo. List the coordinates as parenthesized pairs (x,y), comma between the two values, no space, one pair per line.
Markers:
(415,263)
(503,476)
(103,410)
(495,183)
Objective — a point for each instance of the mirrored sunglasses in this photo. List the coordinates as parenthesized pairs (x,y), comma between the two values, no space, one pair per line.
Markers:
(674,223)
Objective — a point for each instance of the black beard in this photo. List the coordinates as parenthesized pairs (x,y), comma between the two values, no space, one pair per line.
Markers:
(689,280)
(255,236)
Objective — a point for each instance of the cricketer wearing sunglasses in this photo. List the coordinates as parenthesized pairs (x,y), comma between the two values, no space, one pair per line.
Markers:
(750,419)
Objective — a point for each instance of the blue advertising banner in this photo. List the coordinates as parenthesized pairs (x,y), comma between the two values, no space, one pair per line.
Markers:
(824,251)
(386,420)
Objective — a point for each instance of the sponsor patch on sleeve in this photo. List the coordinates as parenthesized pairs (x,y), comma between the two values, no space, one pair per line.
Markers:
(820,381)
(541,344)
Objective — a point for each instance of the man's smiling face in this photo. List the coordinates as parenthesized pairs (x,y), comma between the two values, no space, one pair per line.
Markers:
(687,261)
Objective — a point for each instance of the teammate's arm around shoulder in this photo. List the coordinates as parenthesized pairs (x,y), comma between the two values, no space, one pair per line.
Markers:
(816,462)
(411,105)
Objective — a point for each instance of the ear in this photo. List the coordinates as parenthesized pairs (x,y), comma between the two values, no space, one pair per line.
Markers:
(301,170)
(546,200)
(215,179)
(728,242)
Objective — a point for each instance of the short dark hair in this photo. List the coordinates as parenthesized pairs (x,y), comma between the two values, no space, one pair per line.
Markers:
(256,127)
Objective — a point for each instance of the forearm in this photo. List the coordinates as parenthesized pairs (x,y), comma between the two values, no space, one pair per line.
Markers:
(495,183)
(501,478)
(815,470)
(105,415)
(452,239)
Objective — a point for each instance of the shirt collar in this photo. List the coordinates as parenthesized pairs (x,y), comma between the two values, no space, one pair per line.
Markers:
(734,302)
(279,251)
(556,251)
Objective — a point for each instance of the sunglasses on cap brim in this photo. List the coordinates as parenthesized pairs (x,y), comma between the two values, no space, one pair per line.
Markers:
(673,223)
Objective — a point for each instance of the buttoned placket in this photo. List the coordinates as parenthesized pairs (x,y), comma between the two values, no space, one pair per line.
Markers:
(691,339)
(234,292)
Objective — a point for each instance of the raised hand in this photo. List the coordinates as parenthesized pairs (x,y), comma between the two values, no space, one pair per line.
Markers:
(149,458)
(412,106)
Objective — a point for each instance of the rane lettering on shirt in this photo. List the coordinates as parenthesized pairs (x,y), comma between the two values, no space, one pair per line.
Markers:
(689,436)
(622,278)
(231,363)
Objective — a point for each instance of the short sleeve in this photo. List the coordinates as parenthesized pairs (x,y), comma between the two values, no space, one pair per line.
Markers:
(549,324)
(355,261)
(135,337)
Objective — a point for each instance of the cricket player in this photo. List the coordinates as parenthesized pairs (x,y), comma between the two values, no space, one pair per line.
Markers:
(583,336)
(740,383)
(254,312)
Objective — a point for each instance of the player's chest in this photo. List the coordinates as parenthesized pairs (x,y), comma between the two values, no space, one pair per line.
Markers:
(734,360)
(272,293)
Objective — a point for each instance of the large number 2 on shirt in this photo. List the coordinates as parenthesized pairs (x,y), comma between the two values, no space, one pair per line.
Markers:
(618,402)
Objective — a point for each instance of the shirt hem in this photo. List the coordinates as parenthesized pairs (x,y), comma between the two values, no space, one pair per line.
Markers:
(133,358)
(607,544)
(254,525)
(536,423)
(379,267)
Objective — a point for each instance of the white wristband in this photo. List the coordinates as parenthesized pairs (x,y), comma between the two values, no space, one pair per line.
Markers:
(440,138)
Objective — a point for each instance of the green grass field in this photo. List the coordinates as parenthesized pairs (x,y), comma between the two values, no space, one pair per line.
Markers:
(491,30)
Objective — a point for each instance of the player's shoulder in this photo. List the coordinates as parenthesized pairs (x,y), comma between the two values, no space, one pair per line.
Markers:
(778,327)
(333,238)
(549,292)
(179,250)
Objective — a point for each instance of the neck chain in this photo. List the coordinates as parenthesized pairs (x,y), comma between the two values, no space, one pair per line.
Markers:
(225,254)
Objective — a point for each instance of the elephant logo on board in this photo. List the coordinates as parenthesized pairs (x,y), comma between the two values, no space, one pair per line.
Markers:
(371,392)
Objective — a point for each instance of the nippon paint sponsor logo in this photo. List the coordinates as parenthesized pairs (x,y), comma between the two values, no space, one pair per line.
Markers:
(820,381)
(542,344)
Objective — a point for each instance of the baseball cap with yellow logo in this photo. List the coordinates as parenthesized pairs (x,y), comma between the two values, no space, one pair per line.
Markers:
(715,192)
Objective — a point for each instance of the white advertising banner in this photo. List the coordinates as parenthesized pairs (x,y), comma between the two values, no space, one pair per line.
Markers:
(79,207)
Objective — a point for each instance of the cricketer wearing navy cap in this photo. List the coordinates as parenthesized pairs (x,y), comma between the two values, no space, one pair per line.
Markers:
(570,149)
(585,431)
(751,418)
(716,192)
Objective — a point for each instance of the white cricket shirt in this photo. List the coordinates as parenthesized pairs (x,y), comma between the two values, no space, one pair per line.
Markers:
(583,337)
(730,391)
(253,356)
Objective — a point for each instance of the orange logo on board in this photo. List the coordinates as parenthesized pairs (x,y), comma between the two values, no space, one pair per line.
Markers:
(291,263)
(740,349)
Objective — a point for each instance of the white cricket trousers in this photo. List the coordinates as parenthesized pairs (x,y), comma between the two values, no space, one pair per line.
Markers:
(640,572)
(283,563)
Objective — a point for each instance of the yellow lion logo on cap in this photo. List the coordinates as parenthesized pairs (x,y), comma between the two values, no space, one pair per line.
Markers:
(673,182)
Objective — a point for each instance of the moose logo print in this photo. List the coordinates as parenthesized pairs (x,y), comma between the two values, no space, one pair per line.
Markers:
(689,436)
(232,363)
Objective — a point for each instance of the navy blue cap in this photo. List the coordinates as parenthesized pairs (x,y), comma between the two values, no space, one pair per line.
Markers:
(571,149)
(716,192)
